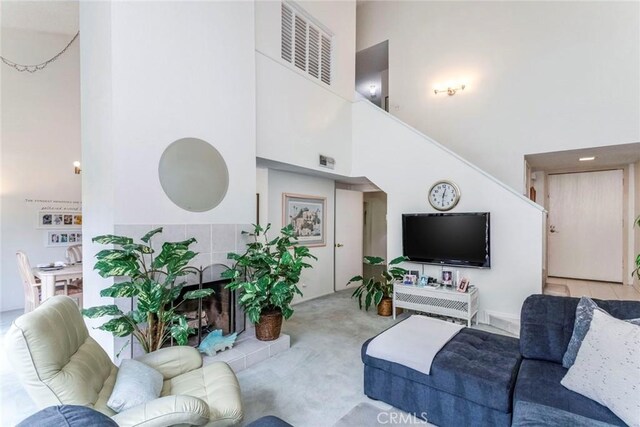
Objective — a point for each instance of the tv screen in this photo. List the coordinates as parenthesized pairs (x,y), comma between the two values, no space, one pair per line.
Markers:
(456,239)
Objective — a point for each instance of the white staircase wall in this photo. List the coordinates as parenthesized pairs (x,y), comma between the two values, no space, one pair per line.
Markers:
(405,163)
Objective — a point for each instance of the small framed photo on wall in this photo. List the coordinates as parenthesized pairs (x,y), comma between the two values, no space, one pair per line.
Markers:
(57,238)
(61,219)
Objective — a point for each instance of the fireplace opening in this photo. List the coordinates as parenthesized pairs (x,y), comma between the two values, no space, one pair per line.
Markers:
(219,310)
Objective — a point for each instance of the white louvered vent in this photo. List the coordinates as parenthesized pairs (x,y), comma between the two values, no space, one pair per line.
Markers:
(306,44)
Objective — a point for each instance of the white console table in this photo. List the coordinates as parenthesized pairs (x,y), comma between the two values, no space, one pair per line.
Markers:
(440,300)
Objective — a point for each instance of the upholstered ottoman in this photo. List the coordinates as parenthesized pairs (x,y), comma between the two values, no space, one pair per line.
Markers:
(471,381)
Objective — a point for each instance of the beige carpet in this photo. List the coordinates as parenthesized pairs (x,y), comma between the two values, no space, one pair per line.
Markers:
(366,414)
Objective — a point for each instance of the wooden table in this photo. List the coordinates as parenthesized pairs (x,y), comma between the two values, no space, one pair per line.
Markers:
(48,279)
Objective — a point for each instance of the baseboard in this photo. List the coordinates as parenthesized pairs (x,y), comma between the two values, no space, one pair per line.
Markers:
(506,322)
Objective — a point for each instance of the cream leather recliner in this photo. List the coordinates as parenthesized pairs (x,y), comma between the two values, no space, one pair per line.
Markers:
(58,363)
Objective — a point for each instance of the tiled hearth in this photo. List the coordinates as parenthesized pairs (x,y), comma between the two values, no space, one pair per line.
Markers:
(248,351)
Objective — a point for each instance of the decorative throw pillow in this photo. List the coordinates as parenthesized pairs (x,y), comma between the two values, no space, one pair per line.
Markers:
(584,314)
(136,383)
(607,368)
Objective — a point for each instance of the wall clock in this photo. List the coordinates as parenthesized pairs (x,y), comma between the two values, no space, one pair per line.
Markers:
(444,195)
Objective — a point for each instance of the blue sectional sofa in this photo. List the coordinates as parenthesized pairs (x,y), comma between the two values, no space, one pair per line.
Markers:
(546,326)
(484,379)
(471,381)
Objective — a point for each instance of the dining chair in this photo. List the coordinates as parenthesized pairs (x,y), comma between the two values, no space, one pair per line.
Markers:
(74,254)
(32,288)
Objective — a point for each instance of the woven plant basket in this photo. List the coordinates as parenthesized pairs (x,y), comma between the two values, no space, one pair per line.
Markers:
(385,307)
(269,326)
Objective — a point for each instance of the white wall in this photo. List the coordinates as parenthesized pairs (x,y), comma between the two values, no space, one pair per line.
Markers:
(300,118)
(153,73)
(541,76)
(517,225)
(40,140)
(636,186)
(318,280)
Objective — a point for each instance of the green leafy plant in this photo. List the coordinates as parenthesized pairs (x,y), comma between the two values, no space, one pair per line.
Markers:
(376,288)
(152,281)
(267,273)
(637,270)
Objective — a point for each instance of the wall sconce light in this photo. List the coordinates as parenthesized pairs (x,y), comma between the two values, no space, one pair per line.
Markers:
(450,90)
(76,167)
(372,90)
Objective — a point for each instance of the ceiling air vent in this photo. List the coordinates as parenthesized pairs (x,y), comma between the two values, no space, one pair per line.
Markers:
(305,43)
(327,162)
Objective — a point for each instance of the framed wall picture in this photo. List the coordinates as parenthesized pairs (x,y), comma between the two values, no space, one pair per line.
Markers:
(307,216)
(63,238)
(59,219)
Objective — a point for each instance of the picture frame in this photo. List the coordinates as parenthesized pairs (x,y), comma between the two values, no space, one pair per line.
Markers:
(447,277)
(463,285)
(307,215)
(57,238)
(409,279)
(59,219)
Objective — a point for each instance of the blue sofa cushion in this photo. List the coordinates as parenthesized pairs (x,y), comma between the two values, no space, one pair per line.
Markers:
(528,414)
(539,383)
(476,365)
(546,323)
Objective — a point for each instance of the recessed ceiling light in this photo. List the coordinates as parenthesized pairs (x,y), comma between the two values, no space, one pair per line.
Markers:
(586,159)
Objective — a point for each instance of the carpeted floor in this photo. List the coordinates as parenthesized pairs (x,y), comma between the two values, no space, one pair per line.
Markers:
(319,379)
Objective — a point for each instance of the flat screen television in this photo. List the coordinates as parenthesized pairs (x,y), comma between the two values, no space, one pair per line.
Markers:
(455,239)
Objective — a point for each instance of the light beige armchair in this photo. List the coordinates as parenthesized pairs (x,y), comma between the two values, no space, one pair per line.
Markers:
(59,363)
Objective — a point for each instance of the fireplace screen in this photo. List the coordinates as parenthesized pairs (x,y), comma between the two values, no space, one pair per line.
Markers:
(219,310)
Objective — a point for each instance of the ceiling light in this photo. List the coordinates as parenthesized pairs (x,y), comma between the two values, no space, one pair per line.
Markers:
(586,159)
(372,90)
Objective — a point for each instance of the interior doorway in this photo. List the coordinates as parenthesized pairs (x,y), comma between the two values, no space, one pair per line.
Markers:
(585,225)
(374,242)
(372,74)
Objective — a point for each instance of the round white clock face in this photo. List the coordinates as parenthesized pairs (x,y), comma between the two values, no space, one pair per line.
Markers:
(444,195)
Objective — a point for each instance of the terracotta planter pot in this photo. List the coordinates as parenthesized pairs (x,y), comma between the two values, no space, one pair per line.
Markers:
(385,307)
(269,326)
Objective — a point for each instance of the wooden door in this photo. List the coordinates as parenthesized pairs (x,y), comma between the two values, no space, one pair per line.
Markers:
(348,238)
(585,227)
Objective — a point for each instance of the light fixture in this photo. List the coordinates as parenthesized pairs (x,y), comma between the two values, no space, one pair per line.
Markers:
(449,90)
(586,159)
(76,167)
(372,90)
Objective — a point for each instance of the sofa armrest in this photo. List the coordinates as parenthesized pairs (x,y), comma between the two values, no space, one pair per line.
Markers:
(165,411)
(173,361)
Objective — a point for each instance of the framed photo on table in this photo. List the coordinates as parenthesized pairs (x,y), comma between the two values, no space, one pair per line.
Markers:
(463,285)
(307,216)
(60,219)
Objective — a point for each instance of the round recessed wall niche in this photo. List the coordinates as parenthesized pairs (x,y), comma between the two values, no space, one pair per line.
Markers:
(193,174)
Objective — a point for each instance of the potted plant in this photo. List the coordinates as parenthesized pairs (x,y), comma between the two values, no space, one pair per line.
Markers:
(378,290)
(267,275)
(152,281)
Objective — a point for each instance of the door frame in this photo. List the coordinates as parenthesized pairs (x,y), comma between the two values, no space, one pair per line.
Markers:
(626,229)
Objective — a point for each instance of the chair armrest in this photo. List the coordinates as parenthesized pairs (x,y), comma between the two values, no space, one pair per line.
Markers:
(165,411)
(173,361)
